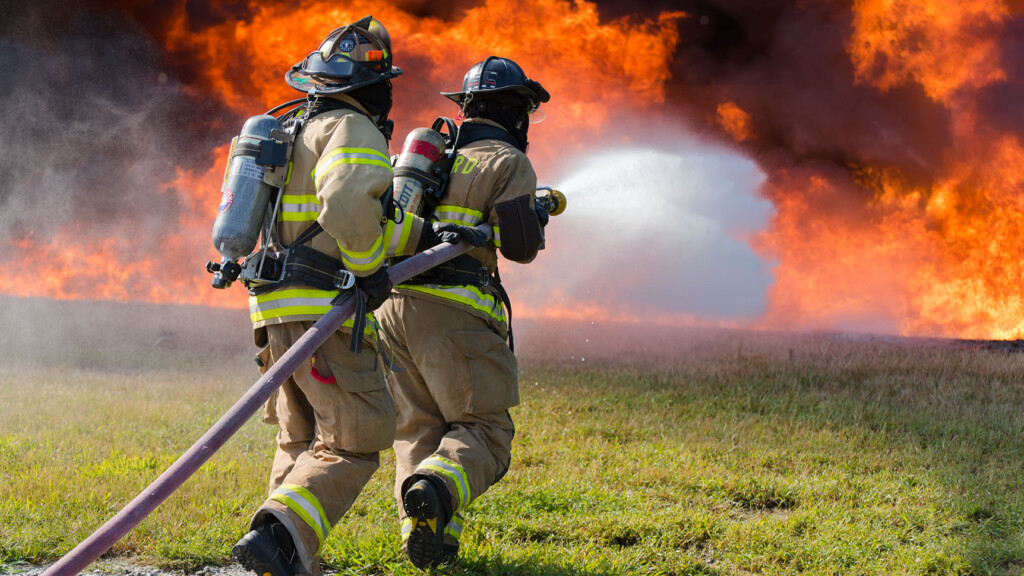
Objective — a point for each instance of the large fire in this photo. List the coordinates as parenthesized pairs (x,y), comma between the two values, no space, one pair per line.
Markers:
(934,250)
(943,258)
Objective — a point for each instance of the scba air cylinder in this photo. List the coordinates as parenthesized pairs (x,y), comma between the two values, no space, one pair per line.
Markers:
(245,193)
(415,169)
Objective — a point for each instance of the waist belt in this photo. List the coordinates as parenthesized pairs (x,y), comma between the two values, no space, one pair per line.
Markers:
(308,267)
(466,270)
(462,270)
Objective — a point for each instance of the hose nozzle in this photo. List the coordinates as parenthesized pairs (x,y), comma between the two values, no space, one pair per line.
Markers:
(551,200)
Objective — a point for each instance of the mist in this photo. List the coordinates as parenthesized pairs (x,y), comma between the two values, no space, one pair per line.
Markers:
(95,125)
(655,231)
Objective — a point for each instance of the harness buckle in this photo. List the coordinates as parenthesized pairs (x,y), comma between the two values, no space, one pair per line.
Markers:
(344,279)
(484,275)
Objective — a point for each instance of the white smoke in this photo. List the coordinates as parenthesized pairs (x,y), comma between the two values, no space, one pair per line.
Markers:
(657,231)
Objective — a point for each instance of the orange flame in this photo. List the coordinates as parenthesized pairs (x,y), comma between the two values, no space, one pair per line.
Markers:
(590,67)
(735,121)
(938,260)
(944,46)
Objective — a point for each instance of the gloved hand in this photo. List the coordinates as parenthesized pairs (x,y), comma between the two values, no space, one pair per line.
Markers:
(542,216)
(377,287)
(449,232)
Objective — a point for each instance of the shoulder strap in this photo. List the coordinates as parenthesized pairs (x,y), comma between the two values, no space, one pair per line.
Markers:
(308,234)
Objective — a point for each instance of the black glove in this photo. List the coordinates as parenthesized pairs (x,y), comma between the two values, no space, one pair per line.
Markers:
(542,216)
(377,287)
(449,233)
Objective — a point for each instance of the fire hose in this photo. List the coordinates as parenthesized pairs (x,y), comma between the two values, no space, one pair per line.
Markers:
(188,463)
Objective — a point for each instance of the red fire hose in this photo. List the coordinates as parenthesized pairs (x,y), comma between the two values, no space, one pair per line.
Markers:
(129,517)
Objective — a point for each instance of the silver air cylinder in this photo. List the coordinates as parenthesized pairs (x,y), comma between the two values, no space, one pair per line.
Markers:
(415,167)
(245,194)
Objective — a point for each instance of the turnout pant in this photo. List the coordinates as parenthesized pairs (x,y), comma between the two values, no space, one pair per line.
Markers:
(452,398)
(335,416)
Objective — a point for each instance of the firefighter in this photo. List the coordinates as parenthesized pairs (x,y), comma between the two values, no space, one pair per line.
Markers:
(448,328)
(335,414)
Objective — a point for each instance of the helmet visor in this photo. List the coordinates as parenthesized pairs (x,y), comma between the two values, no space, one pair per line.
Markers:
(335,67)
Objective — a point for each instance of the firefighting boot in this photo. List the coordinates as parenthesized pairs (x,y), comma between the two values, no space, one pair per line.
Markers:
(449,551)
(268,550)
(424,505)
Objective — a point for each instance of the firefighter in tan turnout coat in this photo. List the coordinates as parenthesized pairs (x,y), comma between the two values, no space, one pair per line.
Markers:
(335,414)
(448,328)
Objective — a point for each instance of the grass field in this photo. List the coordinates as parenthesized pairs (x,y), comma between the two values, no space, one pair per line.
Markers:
(664,452)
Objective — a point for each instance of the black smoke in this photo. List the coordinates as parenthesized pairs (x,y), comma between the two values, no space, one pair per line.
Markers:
(786,63)
(94,121)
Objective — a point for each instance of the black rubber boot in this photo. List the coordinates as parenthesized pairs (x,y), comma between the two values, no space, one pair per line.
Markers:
(449,552)
(426,541)
(267,551)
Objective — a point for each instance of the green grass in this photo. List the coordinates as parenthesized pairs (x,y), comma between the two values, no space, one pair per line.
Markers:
(710,453)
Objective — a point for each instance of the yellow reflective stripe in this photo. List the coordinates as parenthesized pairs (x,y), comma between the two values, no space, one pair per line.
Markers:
(397,241)
(458,215)
(299,302)
(306,506)
(466,295)
(299,208)
(406,528)
(454,527)
(289,311)
(293,293)
(450,470)
(497,237)
(294,302)
(297,216)
(361,261)
(299,199)
(339,156)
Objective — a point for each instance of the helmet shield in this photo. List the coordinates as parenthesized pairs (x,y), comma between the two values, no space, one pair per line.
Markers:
(497,76)
(350,57)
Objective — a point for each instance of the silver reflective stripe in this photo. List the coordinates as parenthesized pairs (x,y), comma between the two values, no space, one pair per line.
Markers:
(454,527)
(406,528)
(306,506)
(465,295)
(290,303)
(300,208)
(363,261)
(459,215)
(452,471)
(339,156)
(398,235)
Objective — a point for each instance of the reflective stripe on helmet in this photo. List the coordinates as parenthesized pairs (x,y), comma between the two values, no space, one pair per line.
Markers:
(306,506)
(450,470)
(340,156)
